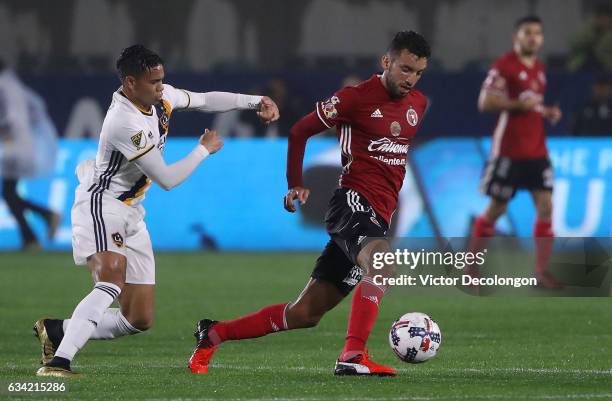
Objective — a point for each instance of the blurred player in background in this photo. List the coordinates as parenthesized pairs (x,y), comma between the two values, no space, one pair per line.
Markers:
(375,122)
(109,232)
(515,88)
(27,137)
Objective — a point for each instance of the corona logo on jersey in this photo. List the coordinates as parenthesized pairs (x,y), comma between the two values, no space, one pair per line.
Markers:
(412,117)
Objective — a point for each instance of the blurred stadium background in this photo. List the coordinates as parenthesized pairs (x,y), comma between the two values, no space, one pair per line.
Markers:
(298,53)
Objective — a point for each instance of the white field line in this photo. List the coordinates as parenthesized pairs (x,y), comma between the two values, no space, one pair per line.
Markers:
(408,371)
(547,371)
(277,368)
(426,398)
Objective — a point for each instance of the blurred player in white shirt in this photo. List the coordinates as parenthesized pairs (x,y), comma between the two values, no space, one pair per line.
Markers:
(27,137)
(109,232)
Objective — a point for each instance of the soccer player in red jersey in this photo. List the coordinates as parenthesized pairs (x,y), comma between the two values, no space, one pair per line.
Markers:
(515,88)
(375,122)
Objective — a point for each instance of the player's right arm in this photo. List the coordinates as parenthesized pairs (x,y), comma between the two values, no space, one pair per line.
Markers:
(326,115)
(494,97)
(135,145)
(168,176)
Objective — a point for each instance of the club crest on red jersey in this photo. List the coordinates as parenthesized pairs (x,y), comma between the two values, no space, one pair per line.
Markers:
(412,117)
(395,128)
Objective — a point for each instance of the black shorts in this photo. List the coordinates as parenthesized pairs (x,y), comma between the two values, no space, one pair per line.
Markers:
(502,177)
(351,223)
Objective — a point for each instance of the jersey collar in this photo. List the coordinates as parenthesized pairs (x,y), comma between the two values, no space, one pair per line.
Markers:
(145,112)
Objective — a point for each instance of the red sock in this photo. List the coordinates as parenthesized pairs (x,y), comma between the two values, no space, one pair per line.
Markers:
(265,321)
(483,229)
(364,310)
(543,237)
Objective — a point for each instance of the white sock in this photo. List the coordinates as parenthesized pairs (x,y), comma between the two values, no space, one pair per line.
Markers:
(112,325)
(85,318)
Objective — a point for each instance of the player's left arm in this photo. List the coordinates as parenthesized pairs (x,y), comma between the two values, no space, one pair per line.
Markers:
(218,102)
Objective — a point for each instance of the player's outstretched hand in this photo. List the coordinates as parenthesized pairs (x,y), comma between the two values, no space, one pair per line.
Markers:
(553,114)
(268,110)
(297,192)
(211,141)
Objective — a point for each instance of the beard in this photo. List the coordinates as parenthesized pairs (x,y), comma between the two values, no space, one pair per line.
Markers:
(529,50)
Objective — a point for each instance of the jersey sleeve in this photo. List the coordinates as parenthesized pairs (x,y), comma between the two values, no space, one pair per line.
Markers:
(130,139)
(497,78)
(338,108)
(177,98)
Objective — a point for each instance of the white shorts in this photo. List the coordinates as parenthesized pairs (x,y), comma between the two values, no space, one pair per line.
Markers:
(103,223)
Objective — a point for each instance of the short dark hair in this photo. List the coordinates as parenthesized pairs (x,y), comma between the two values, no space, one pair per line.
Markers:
(529,19)
(136,60)
(414,42)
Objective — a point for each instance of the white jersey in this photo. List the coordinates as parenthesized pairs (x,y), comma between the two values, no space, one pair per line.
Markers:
(127,134)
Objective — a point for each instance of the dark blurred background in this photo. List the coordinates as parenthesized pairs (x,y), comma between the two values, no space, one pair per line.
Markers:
(301,51)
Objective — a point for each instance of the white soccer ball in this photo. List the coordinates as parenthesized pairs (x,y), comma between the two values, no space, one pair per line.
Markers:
(415,337)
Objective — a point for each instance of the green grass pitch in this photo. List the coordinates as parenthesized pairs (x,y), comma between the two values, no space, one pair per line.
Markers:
(493,348)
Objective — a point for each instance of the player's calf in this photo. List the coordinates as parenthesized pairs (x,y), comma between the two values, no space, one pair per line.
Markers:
(301,316)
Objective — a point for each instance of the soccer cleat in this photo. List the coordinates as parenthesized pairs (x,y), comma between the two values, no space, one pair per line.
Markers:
(48,343)
(362,365)
(204,350)
(55,371)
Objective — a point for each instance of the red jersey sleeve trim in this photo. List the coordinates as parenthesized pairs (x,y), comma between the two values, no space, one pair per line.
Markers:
(321,117)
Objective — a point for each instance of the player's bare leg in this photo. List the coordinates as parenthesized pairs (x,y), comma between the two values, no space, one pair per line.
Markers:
(316,299)
(108,269)
(134,315)
(354,359)
(543,237)
(137,305)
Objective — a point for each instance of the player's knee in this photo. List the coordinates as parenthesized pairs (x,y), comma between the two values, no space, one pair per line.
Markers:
(387,271)
(368,255)
(109,267)
(142,323)
(496,209)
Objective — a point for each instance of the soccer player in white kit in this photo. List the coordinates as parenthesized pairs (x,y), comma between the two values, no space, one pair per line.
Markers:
(109,234)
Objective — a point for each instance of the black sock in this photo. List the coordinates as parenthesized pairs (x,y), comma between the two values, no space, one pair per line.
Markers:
(55,330)
(59,362)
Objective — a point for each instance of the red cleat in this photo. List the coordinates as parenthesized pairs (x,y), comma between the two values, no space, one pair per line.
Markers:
(204,350)
(198,363)
(362,365)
